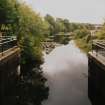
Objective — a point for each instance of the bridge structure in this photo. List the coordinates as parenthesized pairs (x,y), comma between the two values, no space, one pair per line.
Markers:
(48,45)
(96,73)
(66,35)
(9,65)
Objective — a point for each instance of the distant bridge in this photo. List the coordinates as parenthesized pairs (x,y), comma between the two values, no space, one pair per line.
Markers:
(48,45)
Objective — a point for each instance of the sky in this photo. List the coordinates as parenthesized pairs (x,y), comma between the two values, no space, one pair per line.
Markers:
(84,11)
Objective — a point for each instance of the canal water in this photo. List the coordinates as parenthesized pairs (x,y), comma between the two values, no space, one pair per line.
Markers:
(66,69)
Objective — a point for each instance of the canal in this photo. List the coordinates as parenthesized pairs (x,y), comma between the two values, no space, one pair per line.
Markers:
(66,69)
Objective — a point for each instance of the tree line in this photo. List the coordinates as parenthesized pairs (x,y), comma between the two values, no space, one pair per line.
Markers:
(30,28)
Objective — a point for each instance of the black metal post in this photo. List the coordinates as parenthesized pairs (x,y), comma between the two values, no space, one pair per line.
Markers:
(2,48)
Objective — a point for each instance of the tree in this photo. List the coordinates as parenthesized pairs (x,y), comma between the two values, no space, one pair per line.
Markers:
(8,14)
(60,25)
(67,25)
(30,29)
(51,22)
(81,33)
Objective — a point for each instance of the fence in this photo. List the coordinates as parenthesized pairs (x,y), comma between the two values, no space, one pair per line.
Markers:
(98,46)
(7,42)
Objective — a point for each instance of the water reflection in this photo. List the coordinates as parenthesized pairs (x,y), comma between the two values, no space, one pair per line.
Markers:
(27,89)
(66,68)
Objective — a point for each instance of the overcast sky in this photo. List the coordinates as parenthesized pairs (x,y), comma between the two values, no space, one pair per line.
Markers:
(92,11)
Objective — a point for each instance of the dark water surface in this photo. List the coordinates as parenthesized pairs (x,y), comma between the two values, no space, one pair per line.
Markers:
(66,69)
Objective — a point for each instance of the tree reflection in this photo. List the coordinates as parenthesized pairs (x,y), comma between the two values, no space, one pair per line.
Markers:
(29,89)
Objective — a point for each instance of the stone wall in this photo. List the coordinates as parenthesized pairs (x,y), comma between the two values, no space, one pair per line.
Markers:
(96,81)
(8,73)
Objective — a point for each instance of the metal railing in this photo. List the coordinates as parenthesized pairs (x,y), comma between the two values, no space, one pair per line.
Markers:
(98,46)
(7,42)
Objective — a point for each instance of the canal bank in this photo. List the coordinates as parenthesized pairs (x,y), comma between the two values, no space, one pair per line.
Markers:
(66,69)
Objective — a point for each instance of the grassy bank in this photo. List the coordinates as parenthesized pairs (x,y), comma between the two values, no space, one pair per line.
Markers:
(83,45)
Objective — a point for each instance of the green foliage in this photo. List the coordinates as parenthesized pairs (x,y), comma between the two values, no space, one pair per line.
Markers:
(57,25)
(80,33)
(51,22)
(60,27)
(30,30)
(8,14)
(83,45)
(31,33)
(7,11)
(83,37)
(67,25)
(31,50)
(30,22)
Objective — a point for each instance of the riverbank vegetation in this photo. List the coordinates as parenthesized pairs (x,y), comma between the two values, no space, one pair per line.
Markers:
(29,27)
(81,33)
(85,42)
(63,31)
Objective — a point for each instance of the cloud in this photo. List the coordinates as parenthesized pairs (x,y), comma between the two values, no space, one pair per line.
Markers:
(76,10)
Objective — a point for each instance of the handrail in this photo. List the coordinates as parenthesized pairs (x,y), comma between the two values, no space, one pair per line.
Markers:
(98,46)
(7,42)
